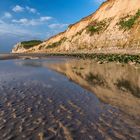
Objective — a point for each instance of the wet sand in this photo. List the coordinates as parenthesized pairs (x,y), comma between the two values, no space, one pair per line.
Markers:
(38,103)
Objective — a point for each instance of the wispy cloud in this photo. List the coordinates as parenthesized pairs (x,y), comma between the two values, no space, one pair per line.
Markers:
(7,15)
(18,8)
(1,21)
(32,22)
(6,28)
(57,25)
(31,10)
(45,18)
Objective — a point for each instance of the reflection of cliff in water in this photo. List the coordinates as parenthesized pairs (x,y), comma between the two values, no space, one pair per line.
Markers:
(115,84)
(127,85)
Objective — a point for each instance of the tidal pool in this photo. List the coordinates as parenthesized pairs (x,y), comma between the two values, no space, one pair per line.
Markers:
(69,99)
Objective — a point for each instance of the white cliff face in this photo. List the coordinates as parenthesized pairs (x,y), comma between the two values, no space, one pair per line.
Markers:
(111,37)
(18,48)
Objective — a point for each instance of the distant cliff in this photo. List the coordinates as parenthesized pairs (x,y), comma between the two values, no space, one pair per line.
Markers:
(114,27)
(25,45)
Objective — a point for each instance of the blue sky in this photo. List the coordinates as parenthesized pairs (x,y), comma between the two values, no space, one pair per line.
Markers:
(39,19)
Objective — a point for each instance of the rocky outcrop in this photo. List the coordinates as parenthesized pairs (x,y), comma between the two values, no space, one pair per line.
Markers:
(112,28)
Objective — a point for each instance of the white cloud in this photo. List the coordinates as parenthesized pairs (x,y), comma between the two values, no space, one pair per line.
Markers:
(6,28)
(31,10)
(7,15)
(32,22)
(27,22)
(18,8)
(21,21)
(46,18)
(57,25)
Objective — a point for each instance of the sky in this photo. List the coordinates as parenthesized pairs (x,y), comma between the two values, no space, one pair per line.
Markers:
(22,20)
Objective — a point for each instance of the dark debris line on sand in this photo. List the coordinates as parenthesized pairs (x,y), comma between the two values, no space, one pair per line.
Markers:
(100,58)
(122,58)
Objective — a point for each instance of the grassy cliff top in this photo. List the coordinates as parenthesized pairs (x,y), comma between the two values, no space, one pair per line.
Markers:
(31,43)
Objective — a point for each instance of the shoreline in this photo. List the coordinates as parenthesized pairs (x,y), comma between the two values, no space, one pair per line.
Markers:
(99,57)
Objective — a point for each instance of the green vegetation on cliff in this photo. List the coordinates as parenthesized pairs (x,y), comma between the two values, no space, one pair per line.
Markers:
(127,23)
(96,27)
(31,43)
(56,44)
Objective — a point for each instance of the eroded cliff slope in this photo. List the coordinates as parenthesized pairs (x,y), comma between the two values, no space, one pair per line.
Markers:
(114,27)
